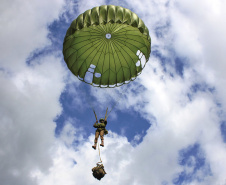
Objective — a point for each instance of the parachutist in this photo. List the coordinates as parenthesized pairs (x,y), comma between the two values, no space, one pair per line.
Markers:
(100,131)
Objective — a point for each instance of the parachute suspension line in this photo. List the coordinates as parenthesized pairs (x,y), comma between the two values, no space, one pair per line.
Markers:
(105,117)
(90,104)
(114,105)
(95,114)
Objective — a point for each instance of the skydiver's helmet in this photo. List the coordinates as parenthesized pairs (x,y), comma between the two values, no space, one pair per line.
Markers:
(99,172)
(102,119)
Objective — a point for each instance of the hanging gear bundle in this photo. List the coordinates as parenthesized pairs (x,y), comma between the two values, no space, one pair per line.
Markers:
(98,171)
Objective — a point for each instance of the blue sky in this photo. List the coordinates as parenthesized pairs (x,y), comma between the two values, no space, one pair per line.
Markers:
(167,128)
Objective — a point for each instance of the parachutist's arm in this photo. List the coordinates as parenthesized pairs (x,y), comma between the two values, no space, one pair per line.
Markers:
(105,122)
(95,124)
(99,125)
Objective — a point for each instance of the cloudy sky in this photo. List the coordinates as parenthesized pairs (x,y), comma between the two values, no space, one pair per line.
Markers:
(169,125)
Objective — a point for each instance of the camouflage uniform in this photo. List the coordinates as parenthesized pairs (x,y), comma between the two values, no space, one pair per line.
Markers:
(100,131)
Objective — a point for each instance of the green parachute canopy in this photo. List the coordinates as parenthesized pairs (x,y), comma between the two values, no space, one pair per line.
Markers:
(107,46)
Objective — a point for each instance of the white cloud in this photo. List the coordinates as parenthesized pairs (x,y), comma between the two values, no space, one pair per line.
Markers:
(29,103)
(29,94)
(180,123)
(24,28)
(73,165)
(200,27)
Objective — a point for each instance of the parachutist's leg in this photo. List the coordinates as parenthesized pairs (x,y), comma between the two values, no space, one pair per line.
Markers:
(95,140)
(96,136)
(102,138)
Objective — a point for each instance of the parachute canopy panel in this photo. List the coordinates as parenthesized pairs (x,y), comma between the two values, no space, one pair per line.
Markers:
(107,46)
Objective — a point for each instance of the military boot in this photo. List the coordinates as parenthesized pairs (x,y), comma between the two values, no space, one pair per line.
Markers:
(94,146)
(102,143)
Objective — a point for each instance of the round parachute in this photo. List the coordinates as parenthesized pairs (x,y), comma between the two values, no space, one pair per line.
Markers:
(107,46)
